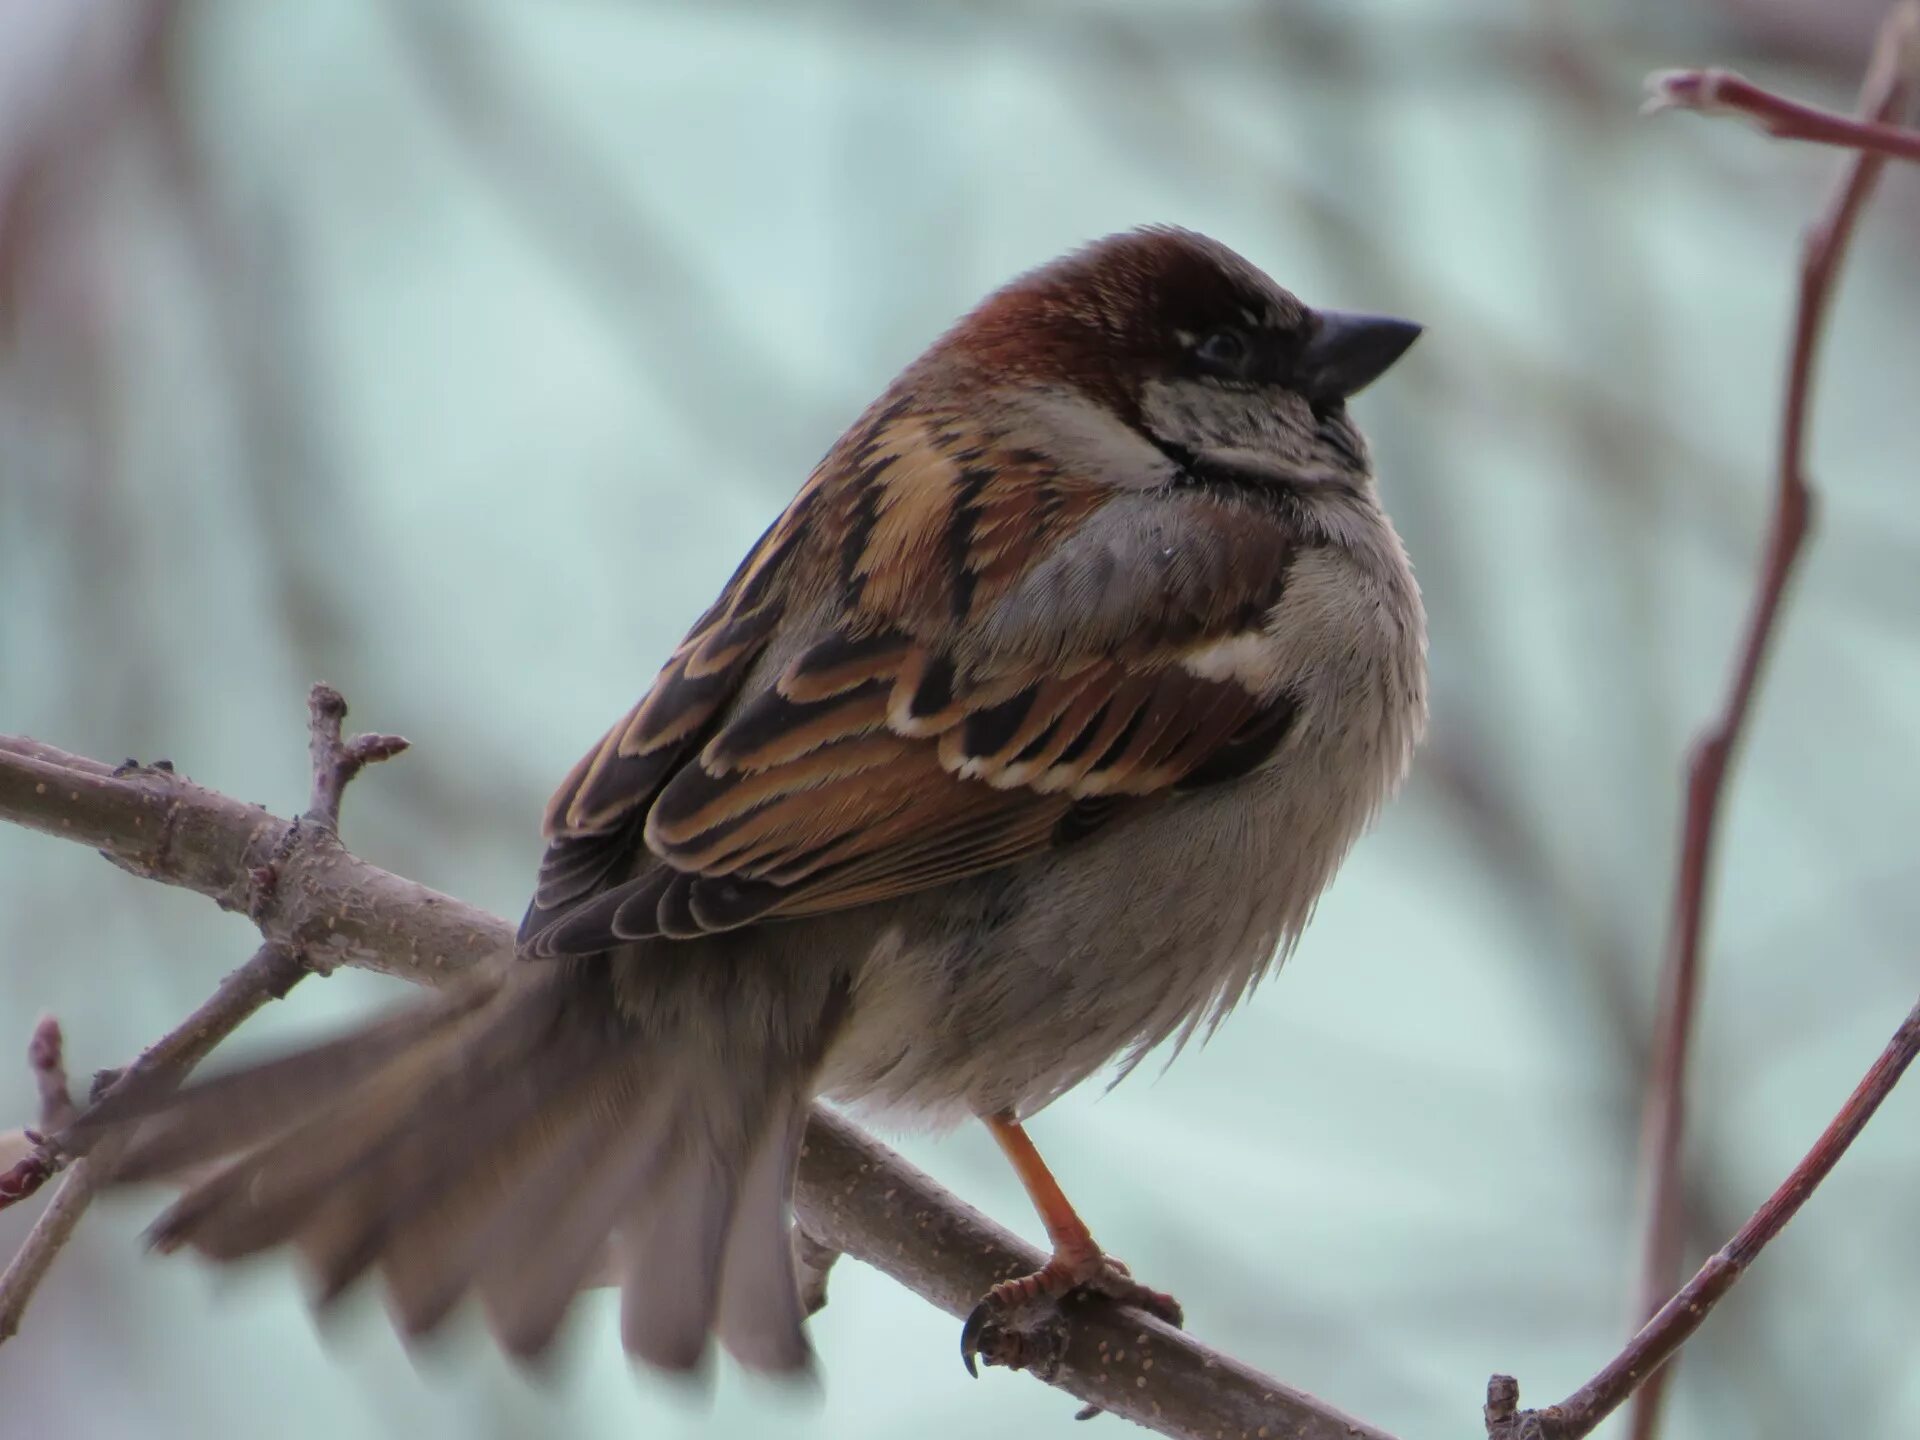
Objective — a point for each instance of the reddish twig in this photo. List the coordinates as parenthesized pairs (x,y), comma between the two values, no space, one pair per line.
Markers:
(1674,1323)
(1884,93)
(40,1161)
(46,1057)
(37,1165)
(1722,92)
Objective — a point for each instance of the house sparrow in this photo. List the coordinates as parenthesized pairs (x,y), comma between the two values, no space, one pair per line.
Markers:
(1025,739)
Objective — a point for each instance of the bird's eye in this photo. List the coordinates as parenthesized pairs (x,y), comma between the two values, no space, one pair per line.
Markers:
(1224,351)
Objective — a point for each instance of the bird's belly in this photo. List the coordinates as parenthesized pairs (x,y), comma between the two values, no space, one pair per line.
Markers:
(1005,990)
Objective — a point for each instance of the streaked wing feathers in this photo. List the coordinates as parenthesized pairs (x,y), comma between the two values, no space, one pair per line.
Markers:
(943,721)
(593,821)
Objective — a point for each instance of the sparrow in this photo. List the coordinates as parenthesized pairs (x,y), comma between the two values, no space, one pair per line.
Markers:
(1024,740)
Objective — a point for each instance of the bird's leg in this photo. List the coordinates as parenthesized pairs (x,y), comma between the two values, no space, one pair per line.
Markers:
(1077,1263)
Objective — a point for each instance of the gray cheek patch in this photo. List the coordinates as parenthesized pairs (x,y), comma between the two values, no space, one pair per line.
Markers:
(1196,415)
(1065,423)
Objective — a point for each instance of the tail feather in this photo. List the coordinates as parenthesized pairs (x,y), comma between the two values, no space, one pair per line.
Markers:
(262,1196)
(435,1190)
(557,1228)
(169,1130)
(365,1148)
(759,1317)
(494,1143)
(671,1249)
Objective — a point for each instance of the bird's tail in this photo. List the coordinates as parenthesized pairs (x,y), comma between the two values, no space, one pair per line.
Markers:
(519,1140)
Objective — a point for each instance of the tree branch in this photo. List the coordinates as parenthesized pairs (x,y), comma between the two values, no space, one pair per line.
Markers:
(854,1194)
(274,969)
(158,825)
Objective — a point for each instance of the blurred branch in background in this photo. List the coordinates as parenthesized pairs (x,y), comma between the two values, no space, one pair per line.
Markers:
(245,264)
(597,232)
(70,75)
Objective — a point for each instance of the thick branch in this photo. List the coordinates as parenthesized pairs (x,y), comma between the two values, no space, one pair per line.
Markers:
(315,899)
(854,1195)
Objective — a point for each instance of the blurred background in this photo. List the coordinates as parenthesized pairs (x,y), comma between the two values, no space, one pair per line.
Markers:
(454,351)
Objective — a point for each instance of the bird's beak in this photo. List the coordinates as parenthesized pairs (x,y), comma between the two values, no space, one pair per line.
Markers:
(1349,352)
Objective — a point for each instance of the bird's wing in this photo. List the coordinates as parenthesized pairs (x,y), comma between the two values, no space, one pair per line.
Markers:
(992,657)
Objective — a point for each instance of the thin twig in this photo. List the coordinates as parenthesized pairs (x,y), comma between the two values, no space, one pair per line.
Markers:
(1722,92)
(1884,94)
(46,1057)
(270,973)
(30,1162)
(854,1194)
(335,761)
(44,1242)
(35,1161)
(1670,1328)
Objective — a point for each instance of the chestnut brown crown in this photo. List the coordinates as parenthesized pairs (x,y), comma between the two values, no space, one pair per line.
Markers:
(1166,305)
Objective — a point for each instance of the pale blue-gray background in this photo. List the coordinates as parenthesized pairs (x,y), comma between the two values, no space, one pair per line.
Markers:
(453,352)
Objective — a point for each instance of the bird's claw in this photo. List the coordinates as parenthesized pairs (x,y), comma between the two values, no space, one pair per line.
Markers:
(1029,1335)
(1019,1324)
